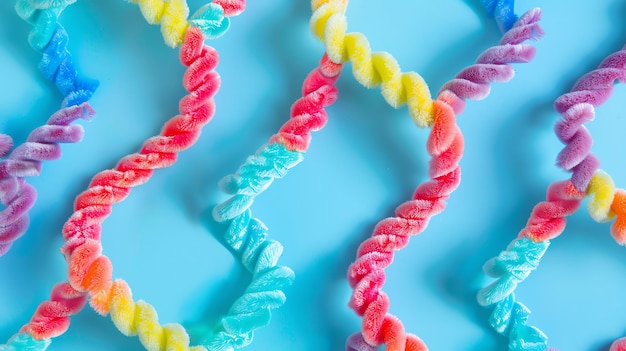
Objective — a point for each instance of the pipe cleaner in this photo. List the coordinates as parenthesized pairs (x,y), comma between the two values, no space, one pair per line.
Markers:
(247,236)
(445,145)
(49,38)
(90,272)
(172,16)
(548,218)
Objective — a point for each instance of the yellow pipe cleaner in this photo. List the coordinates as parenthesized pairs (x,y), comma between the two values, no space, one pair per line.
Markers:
(330,25)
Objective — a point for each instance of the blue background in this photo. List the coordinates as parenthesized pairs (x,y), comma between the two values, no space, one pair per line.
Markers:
(367,160)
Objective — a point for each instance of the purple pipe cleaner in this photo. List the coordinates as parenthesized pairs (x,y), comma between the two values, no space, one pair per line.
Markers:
(42,144)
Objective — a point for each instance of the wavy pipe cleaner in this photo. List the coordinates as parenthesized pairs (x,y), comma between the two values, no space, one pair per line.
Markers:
(247,236)
(90,272)
(172,16)
(547,220)
(445,144)
(50,38)
(42,144)
(329,24)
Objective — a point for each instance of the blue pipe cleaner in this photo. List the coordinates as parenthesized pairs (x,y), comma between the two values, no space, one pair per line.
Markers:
(50,38)
(510,268)
(503,12)
(25,342)
(247,237)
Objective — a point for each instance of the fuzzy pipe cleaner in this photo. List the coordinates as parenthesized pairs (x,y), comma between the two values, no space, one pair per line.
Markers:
(48,37)
(42,144)
(90,272)
(547,220)
(445,144)
(247,236)
(329,24)
(172,16)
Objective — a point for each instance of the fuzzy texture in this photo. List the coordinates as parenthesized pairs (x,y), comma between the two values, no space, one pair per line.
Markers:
(618,345)
(547,220)
(577,108)
(42,144)
(50,320)
(515,264)
(247,236)
(24,342)
(50,38)
(90,272)
(445,145)
(329,24)
(510,317)
(502,11)
(172,16)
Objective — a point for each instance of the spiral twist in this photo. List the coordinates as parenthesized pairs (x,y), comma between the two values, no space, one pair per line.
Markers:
(172,16)
(577,108)
(493,65)
(247,235)
(547,220)
(25,161)
(253,309)
(90,272)
(51,319)
(329,24)
(445,145)
(50,38)
(516,263)
(509,316)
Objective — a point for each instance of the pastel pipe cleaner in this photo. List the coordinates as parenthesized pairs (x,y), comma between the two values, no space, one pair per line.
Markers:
(445,144)
(172,16)
(329,24)
(50,38)
(42,144)
(90,272)
(547,220)
(16,194)
(247,236)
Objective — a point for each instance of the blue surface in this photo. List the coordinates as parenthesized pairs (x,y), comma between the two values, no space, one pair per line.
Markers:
(367,160)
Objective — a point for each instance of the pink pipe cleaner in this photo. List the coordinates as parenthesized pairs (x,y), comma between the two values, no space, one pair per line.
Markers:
(25,161)
(577,108)
(445,145)
(83,228)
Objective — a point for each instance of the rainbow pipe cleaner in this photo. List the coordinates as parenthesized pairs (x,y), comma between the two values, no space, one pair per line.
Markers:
(172,16)
(547,220)
(247,236)
(90,272)
(49,38)
(445,144)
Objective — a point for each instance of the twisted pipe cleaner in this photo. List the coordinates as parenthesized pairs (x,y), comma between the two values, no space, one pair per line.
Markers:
(247,236)
(50,315)
(445,145)
(329,23)
(42,144)
(547,220)
(172,16)
(90,272)
(521,257)
(50,38)
(577,108)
